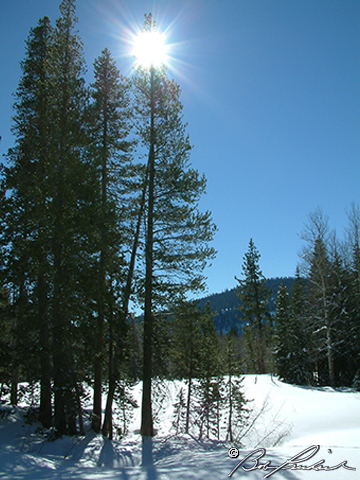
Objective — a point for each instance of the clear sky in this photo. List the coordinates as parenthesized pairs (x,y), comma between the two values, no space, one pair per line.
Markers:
(271,94)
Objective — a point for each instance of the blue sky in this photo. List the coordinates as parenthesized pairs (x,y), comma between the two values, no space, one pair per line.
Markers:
(271,94)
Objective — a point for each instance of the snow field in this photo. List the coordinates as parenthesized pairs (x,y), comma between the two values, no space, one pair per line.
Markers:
(300,416)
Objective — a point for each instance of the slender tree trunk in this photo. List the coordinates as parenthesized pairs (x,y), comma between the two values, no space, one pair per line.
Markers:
(98,361)
(18,322)
(59,353)
(113,361)
(45,414)
(107,428)
(14,386)
(107,425)
(188,404)
(147,429)
(329,351)
(330,356)
(146,414)
(229,435)
(78,399)
(98,374)
(15,368)
(261,346)
(96,423)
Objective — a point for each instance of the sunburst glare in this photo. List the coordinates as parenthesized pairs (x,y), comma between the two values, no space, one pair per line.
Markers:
(149,49)
(133,47)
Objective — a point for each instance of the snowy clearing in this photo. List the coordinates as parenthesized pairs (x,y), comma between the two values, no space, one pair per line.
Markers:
(295,418)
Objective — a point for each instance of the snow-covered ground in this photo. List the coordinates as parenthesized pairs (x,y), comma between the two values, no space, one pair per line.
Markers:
(293,418)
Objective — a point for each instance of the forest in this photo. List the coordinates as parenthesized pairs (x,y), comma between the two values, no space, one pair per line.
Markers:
(313,336)
(99,212)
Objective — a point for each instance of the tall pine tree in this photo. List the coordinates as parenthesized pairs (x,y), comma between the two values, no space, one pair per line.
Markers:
(177,233)
(254,307)
(317,262)
(353,242)
(109,146)
(68,208)
(27,181)
(291,343)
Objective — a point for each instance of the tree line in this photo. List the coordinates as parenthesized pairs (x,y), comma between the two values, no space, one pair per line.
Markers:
(99,208)
(318,328)
(313,337)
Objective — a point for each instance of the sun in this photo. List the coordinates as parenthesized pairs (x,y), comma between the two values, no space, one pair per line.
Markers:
(149,49)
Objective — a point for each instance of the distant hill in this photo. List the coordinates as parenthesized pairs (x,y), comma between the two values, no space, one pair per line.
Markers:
(226,304)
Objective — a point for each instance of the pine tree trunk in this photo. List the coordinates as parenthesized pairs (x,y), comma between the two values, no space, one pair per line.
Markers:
(96,420)
(107,425)
(14,386)
(229,435)
(113,362)
(19,321)
(147,429)
(96,423)
(98,361)
(59,353)
(260,334)
(146,414)
(329,351)
(59,401)
(78,399)
(15,368)
(45,414)
(188,403)
(98,373)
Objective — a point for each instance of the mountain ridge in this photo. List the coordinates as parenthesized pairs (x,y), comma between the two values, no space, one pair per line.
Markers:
(226,304)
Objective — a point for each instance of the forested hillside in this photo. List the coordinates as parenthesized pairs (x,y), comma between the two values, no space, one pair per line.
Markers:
(226,304)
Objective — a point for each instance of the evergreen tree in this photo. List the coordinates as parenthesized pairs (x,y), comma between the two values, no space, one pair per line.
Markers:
(177,234)
(330,317)
(27,218)
(353,268)
(161,347)
(301,369)
(5,340)
(71,190)
(124,407)
(254,307)
(210,381)
(195,357)
(234,399)
(283,333)
(187,340)
(316,258)
(291,352)
(179,412)
(340,308)
(109,145)
(209,404)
